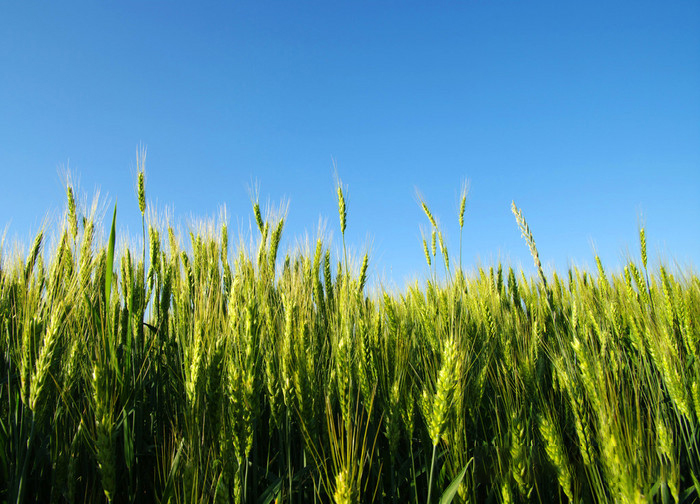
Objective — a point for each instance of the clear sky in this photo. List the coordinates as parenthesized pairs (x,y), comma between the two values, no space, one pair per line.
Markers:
(587,114)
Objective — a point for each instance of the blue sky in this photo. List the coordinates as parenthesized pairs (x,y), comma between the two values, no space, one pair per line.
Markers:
(587,114)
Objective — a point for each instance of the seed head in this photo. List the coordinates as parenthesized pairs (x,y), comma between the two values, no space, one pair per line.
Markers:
(427,252)
(258,216)
(341,209)
(141,192)
(462,205)
(363,273)
(72,215)
(141,178)
(428,214)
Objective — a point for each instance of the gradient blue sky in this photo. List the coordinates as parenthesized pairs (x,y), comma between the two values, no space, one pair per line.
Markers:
(587,114)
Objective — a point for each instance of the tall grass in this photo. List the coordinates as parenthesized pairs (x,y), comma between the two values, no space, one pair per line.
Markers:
(193,372)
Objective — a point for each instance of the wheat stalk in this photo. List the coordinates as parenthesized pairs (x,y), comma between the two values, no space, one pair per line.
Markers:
(428,214)
(45,367)
(527,234)
(363,274)
(141,179)
(556,453)
(104,435)
(342,211)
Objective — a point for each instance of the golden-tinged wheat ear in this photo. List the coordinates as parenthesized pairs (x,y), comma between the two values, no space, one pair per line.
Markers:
(344,492)
(428,214)
(427,252)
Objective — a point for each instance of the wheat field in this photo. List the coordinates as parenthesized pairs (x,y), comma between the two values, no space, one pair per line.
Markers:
(186,371)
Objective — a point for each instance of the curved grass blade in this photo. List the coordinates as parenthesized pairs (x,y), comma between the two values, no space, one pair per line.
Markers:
(110,259)
(451,490)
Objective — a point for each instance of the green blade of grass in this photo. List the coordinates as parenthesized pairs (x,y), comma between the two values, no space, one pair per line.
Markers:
(108,285)
(110,259)
(451,490)
(170,482)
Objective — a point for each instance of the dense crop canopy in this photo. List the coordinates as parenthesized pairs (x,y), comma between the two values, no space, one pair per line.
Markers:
(191,373)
